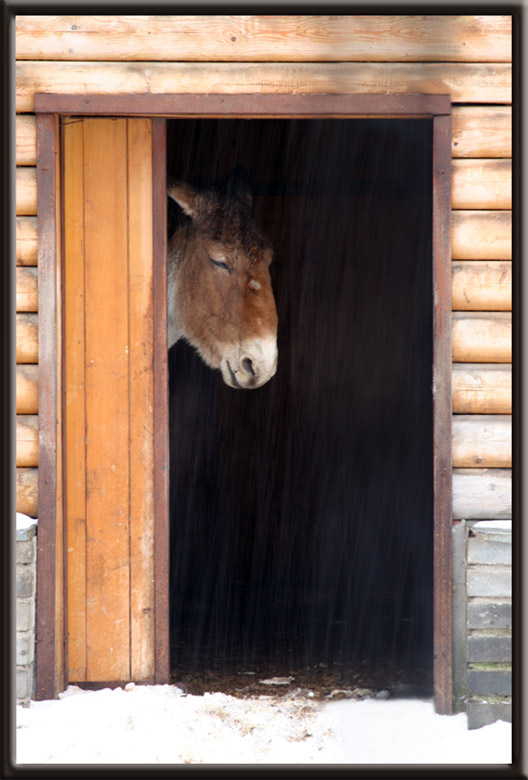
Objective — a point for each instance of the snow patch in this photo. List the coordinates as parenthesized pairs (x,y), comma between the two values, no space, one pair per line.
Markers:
(24,521)
(158,724)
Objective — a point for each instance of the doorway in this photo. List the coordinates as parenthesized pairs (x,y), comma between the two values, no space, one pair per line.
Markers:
(302,513)
(303,358)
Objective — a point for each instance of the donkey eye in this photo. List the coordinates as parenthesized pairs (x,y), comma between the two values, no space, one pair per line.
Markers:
(220,264)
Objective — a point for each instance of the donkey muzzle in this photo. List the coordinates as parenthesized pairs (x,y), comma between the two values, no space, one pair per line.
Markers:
(251,365)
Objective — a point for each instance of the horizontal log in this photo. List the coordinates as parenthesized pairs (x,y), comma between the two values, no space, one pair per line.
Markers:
(480,388)
(26,191)
(482,441)
(467,83)
(27,389)
(481,184)
(478,285)
(481,337)
(27,491)
(26,140)
(27,440)
(481,131)
(26,289)
(27,338)
(481,235)
(258,38)
(482,494)
(26,241)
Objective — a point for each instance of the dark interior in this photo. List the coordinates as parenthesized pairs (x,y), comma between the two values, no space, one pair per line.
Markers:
(302,512)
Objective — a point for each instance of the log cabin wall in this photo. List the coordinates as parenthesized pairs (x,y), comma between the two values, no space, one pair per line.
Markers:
(466,57)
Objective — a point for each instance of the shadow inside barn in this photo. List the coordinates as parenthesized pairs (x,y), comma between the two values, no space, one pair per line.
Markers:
(302,512)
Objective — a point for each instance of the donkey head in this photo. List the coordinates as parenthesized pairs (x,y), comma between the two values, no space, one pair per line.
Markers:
(219,286)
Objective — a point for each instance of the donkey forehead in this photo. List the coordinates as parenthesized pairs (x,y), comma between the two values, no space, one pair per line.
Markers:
(243,238)
(233,228)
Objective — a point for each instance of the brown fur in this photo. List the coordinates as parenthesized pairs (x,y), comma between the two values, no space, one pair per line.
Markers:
(227,312)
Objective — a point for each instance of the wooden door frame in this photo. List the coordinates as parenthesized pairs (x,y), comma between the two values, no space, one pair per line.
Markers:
(50,668)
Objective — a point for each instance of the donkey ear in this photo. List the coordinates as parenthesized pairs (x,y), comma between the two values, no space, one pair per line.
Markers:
(238,184)
(185,196)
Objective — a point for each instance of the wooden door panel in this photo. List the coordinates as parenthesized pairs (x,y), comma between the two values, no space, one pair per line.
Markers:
(75,411)
(108,272)
(141,398)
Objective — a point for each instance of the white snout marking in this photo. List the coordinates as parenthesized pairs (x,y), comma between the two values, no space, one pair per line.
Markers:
(254,284)
(262,354)
(267,348)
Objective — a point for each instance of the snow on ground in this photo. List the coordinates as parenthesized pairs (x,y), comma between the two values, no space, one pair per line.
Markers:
(24,521)
(158,724)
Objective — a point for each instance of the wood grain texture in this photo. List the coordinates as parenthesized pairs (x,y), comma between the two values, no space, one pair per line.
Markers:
(482,337)
(27,491)
(482,494)
(141,335)
(109,435)
(107,412)
(27,440)
(480,388)
(256,38)
(482,131)
(481,184)
(61,671)
(49,648)
(481,235)
(26,191)
(75,411)
(482,441)
(26,241)
(26,140)
(27,338)
(468,83)
(26,289)
(27,389)
(442,516)
(242,105)
(478,285)
(161,406)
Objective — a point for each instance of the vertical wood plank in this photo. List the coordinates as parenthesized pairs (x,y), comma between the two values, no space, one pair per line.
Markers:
(74,430)
(47,151)
(442,570)
(107,401)
(60,549)
(161,407)
(142,614)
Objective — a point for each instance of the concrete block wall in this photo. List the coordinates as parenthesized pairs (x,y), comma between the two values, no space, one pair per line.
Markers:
(26,575)
(489,623)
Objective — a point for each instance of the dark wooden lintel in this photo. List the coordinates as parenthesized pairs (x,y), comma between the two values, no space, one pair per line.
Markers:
(249,105)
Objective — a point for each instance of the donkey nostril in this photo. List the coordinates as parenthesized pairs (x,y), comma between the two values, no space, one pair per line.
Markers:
(248,366)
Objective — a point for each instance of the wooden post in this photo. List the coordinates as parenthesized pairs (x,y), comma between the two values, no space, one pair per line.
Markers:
(47,682)
(443,509)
